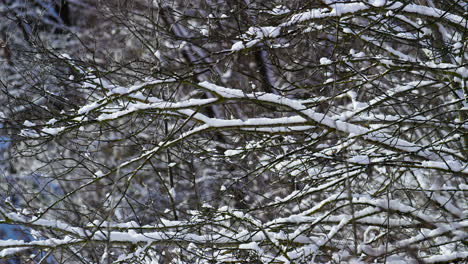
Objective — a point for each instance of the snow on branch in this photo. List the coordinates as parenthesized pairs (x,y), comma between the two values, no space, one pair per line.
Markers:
(375,137)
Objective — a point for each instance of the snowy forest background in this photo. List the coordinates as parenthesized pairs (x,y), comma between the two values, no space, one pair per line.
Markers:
(233,131)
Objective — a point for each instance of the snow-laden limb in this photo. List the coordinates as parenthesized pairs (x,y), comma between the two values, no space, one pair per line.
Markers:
(308,190)
(411,61)
(285,123)
(378,206)
(431,12)
(12,247)
(123,90)
(452,166)
(437,196)
(341,9)
(256,34)
(162,105)
(314,247)
(89,229)
(414,120)
(323,120)
(328,132)
(336,10)
(4,253)
(455,228)
(447,258)
(115,92)
(244,239)
(389,95)
(225,237)
(279,130)
(128,257)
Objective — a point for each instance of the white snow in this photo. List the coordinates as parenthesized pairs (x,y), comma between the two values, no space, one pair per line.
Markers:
(339,9)
(451,165)
(279,10)
(53,130)
(232,152)
(457,45)
(264,32)
(252,246)
(204,32)
(377,3)
(360,159)
(446,258)
(89,107)
(325,61)
(28,123)
(238,46)
(319,118)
